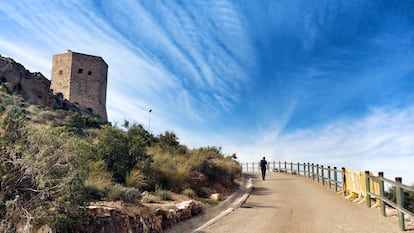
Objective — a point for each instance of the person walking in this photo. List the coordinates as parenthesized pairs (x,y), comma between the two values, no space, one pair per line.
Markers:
(263,166)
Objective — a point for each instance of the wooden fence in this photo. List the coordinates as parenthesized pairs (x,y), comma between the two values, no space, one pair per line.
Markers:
(362,186)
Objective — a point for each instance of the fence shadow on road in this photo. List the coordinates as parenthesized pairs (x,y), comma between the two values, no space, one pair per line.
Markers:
(259,191)
(255,205)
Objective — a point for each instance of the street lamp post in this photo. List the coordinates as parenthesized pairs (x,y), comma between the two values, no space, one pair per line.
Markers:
(149,120)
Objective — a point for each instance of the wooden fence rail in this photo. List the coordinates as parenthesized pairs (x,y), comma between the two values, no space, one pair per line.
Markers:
(365,186)
(400,188)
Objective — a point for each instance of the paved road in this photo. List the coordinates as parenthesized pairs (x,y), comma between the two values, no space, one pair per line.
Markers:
(290,204)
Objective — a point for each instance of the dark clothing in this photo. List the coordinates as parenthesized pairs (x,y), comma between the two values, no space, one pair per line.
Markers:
(263,165)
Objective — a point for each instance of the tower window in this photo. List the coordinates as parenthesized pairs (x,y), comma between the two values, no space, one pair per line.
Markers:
(89,72)
(80,71)
(60,72)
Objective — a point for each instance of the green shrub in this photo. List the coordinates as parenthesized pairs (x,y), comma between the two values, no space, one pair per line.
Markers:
(189,193)
(149,198)
(126,194)
(163,195)
(94,193)
(203,192)
(168,141)
(85,121)
(121,152)
(408,197)
(209,152)
(115,193)
(130,195)
(2,108)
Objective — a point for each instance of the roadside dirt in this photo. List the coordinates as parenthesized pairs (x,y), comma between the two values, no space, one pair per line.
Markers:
(290,204)
(212,211)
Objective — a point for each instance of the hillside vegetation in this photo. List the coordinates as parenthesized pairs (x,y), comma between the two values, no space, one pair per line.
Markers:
(55,162)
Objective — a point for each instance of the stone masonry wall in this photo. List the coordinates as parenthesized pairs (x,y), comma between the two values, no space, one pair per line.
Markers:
(61,73)
(82,79)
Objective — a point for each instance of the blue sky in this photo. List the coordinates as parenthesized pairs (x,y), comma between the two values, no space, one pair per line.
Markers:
(328,82)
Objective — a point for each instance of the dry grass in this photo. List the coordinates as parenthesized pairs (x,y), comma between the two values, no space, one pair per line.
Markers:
(135,179)
(98,176)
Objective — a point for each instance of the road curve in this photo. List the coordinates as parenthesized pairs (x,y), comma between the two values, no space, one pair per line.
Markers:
(290,204)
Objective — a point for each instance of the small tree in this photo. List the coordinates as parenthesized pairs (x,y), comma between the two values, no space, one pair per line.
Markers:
(138,131)
(168,140)
(123,151)
(113,148)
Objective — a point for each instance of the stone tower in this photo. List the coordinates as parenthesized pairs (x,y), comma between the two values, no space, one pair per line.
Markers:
(82,79)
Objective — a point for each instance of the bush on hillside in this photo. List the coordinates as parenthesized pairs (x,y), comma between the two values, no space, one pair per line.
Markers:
(135,179)
(123,151)
(137,130)
(408,197)
(189,193)
(125,194)
(169,171)
(41,167)
(168,141)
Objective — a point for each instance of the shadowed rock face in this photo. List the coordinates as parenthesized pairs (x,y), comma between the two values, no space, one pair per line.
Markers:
(112,220)
(109,219)
(34,87)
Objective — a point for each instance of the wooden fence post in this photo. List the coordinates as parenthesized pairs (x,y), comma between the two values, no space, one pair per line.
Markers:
(368,189)
(309,171)
(291,168)
(381,184)
(343,181)
(274,166)
(322,174)
(304,170)
(336,180)
(400,200)
(317,172)
(285,168)
(313,171)
(329,177)
(298,169)
(280,167)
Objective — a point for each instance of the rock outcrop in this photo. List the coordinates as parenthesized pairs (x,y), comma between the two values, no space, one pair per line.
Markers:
(115,220)
(110,219)
(34,87)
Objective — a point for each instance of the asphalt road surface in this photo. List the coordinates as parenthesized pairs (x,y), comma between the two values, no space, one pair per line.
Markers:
(290,204)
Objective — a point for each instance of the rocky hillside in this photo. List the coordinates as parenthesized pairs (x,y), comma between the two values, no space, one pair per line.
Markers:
(33,87)
(64,171)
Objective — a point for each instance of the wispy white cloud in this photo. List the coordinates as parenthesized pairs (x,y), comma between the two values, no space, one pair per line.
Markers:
(380,141)
(25,53)
(155,55)
(201,58)
(190,62)
(130,73)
